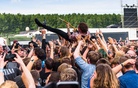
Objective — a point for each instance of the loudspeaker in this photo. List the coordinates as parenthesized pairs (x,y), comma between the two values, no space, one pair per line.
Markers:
(130,18)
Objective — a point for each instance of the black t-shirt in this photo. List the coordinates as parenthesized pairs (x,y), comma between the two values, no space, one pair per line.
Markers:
(38,86)
(79,74)
(11,73)
(56,65)
(44,76)
(19,81)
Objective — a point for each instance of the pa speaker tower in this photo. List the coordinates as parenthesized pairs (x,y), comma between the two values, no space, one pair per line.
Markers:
(130,18)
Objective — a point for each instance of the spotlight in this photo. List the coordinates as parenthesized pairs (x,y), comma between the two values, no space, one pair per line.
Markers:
(127,5)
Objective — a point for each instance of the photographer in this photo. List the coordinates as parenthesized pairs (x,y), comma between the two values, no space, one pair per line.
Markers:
(16,47)
(10,57)
(10,69)
(21,52)
(7,83)
(32,44)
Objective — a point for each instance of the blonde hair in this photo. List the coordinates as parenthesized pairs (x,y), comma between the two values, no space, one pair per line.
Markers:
(105,77)
(9,84)
(62,67)
(68,74)
(117,57)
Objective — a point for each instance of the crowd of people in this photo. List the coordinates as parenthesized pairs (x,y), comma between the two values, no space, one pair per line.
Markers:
(75,60)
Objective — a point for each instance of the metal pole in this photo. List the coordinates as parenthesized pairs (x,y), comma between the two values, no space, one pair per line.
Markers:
(122,15)
(136,6)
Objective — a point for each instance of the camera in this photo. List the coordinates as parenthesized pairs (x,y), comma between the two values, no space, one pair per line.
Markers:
(93,37)
(9,57)
(33,43)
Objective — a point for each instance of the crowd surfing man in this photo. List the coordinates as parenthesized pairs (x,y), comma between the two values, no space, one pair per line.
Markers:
(82,30)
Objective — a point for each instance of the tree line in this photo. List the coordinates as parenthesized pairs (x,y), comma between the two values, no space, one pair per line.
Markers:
(14,23)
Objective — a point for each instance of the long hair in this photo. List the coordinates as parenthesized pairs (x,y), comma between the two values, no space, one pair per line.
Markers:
(105,77)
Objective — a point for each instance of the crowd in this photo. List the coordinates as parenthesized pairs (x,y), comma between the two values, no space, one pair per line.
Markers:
(75,60)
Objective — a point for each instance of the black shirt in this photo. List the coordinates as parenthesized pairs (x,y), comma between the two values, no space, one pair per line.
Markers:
(11,73)
(44,76)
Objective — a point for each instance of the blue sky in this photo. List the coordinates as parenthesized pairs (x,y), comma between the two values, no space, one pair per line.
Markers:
(62,6)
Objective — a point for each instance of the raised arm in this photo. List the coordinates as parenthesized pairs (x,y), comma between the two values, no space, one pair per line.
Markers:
(51,49)
(26,75)
(102,36)
(103,45)
(43,39)
(30,64)
(31,53)
(2,64)
(86,51)
(78,59)
(59,43)
(68,28)
(95,44)
(111,41)
(77,50)
(7,47)
(120,66)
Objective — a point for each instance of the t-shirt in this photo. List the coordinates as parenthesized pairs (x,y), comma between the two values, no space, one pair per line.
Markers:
(44,76)
(79,73)
(11,73)
(87,71)
(129,80)
(19,81)
(38,86)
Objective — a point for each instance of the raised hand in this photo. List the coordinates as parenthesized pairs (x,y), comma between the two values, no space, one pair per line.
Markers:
(34,39)
(2,63)
(129,61)
(59,43)
(78,37)
(90,46)
(35,58)
(115,41)
(110,40)
(43,31)
(74,44)
(97,33)
(81,42)
(18,59)
(51,44)
(87,37)
(100,32)
(4,42)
